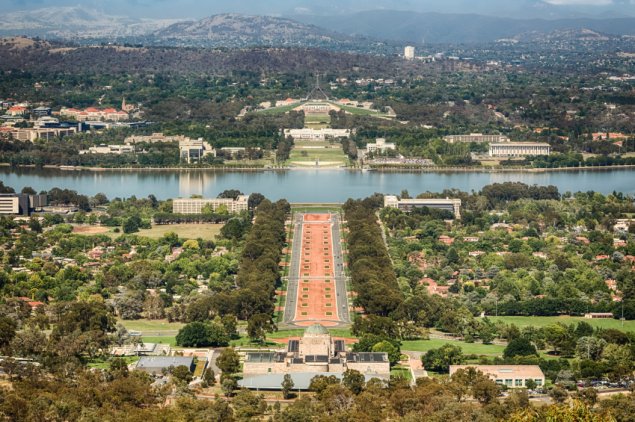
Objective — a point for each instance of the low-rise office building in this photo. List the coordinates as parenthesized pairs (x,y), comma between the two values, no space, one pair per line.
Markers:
(511,376)
(196,205)
(380,145)
(193,150)
(519,149)
(317,134)
(33,134)
(453,205)
(475,137)
(21,204)
(156,365)
(109,149)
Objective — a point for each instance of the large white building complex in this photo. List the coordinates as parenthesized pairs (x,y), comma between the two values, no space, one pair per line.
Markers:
(475,137)
(317,134)
(453,205)
(195,205)
(316,353)
(511,376)
(519,149)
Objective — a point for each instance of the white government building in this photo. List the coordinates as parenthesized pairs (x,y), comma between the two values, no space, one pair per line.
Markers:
(195,205)
(453,205)
(317,134)
(475,137)
(519,149)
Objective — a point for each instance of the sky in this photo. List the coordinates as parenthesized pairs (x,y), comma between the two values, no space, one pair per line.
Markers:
(200,8)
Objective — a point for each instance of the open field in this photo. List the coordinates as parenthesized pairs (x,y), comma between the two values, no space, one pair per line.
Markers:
(91,230)
(152,326)
(306,153)
(468,348)
(363,111)
(521,321)
(184,231)
(171,340)
(278,110)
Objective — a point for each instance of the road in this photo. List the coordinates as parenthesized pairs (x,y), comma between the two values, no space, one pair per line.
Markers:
(294,270)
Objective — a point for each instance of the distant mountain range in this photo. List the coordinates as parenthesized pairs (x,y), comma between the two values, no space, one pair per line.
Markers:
(77,21)
(459,28)
(233,30)
(305,30)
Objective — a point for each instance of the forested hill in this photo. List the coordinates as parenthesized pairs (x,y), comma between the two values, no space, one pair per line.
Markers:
(40,56)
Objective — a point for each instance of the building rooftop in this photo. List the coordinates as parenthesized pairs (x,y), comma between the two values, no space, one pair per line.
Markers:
(164,361)
(504,371)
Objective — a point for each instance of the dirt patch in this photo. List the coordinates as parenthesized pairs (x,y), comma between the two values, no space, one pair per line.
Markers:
(90,229)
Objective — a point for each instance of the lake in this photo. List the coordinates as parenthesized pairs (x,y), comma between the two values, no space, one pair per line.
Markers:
(307,185)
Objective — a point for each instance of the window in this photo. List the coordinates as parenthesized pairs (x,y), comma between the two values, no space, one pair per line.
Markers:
(538,382)
(508,382)
(518,383)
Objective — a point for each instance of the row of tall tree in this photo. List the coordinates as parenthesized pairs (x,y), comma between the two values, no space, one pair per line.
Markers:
(371,268)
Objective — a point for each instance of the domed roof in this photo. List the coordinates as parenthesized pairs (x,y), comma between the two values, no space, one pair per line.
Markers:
(315,330)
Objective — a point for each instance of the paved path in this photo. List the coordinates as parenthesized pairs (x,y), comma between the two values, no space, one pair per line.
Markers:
(306,238)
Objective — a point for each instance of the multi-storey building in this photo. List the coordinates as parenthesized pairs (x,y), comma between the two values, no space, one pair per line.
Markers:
(196,205)
(519,149)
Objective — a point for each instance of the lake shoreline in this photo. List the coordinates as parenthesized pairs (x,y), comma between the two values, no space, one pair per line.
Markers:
(350,169)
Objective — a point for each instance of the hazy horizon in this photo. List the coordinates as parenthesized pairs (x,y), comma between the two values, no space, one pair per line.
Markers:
(182,9)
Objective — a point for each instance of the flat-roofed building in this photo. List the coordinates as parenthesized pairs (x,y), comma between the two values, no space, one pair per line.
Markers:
(9,204)
(193,150)
(475,137)
(409,52)
(452,205)
(109,149)
(316,353)
(519,149)
(317,134)
(511,376)
(380,145)
(32,134)
(20,203)
(155,138)
(196,205)
(158,364)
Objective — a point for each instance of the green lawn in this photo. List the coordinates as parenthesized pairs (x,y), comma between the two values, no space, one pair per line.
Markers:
(333,155)
(298,332)
(521,321)
(362,111)
(401,372)
(279,110)
(468,348)
(184,231)
(168,339)
(152,327)
(100,363)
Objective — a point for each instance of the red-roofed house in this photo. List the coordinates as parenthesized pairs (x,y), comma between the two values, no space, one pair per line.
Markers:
(16,111)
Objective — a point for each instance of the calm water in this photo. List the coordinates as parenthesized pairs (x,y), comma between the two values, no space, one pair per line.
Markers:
(301,185)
